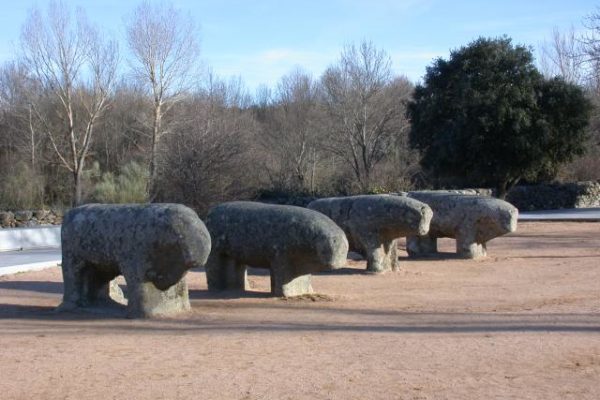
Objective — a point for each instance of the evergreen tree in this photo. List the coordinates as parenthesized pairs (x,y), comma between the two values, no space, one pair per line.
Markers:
(488,117)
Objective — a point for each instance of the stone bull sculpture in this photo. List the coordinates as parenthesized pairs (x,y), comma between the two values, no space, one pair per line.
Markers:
(152,246)
(373,223)
(470,219)
(292,242)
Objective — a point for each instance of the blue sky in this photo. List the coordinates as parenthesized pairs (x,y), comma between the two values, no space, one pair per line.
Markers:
(261,40)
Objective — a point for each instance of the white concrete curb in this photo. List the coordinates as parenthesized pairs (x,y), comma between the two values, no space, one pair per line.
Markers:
(14,269)
(577,214)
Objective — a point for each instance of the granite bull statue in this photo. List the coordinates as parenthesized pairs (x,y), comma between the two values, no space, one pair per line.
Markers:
(373,223)
(292,242)
(152,246)
(470,219)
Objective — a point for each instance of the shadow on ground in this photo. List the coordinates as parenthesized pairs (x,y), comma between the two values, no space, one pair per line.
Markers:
(33,286)
(292,319)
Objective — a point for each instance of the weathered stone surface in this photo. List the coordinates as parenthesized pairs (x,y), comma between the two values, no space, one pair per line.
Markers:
(292,242)
(373,223)
(41,214)
(23,216)
(152,246)
(471,220)
(7,219)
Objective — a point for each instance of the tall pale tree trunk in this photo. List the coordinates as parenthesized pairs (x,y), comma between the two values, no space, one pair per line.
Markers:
(165,49)
(77,189)
(156,126)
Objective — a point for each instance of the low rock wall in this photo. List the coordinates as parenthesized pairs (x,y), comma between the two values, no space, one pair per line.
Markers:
(555,196)
(551,196)
(30,218)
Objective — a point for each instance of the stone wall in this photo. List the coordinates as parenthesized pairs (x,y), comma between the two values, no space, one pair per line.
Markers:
(29,218)
(475,191)
(555,196)
(525,198)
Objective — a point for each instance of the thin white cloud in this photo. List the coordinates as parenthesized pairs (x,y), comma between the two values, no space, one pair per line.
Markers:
(400,56)
(412,62)
(268,66)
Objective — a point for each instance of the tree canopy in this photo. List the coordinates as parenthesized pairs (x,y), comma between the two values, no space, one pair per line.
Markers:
(487,116)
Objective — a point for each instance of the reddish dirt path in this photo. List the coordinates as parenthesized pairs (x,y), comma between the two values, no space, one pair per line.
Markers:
(525,323)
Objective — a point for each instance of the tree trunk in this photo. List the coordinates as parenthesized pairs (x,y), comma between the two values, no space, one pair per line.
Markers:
(151,189)
(32,140)
(505,186)
(77,190)
(313,171)
(365,180)
(501,190)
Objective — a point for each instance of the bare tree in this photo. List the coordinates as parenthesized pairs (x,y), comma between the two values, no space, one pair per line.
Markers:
(563,56)
(208,155)
(290,132)
(590,50)
(74,68)
(122,136)
(165,49)
(15,88)
(365,103)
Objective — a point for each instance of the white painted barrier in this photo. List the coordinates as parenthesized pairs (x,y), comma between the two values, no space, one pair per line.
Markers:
(29,238)
(38,266)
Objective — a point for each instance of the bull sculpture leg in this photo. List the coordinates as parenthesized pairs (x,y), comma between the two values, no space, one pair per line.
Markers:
(223,272)
(393,255)
(236,276)
(284,281)
(376,253)
(86,285)
(419,246)
(146,300)
(467,246)
(73,293)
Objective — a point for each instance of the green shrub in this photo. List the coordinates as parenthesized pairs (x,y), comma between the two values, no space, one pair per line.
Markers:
(127,187)
(378,190)
(21,188)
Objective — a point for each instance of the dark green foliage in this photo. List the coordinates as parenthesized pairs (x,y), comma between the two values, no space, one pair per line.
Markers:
(487,117)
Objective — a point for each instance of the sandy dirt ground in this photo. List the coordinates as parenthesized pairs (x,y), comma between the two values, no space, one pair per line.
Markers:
(522,324)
